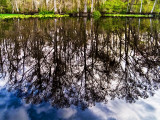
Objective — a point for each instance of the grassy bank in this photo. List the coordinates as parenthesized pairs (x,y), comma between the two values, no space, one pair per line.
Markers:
(23,16)
(9,16)
(127,15)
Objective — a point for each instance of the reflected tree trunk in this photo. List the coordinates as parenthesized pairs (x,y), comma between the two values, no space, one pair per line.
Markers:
(81,59)
(84,49)
(151,25)
(139,24)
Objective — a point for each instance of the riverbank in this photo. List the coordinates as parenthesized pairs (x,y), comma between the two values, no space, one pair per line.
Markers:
(9,16)
(23,16)
(97,14)
(128,15)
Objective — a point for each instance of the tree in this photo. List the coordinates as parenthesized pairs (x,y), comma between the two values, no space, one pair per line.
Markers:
(141,6)
(92,5)
(154,6)
(55,6)
(15,6)
(85,6)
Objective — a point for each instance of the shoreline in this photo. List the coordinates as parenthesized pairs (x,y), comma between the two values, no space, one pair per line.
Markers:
(23,16)
(128,15)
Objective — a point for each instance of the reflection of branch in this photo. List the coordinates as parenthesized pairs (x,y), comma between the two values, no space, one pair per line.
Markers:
(75,70)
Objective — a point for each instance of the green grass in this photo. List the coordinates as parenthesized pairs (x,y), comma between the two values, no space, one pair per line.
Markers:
(22,16)
(127,15)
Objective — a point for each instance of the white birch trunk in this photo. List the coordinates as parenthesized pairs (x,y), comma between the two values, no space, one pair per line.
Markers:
(154,6)
(78,5)
(92,6)
(55,6)
(141,6)
(16,4)
(47,4)
(85,6)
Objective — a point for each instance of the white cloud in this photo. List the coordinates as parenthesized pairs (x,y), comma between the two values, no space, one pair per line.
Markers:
(18,114)
(44,108)
(3,81)
(66,113)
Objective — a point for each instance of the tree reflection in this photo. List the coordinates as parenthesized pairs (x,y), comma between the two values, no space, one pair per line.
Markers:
(76,61)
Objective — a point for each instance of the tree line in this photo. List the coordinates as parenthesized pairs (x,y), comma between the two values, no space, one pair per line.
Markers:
(76,6)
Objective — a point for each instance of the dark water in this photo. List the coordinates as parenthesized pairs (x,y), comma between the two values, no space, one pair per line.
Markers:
(70,68)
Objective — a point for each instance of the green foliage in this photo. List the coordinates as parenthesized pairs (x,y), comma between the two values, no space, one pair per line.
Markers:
(88,9)
(71,11)
(102,8)
(46,12)
(22,16)
(118,24)
(127,15)
(109,6)
(96,14)
(111,24)
(115,6)
(5,6)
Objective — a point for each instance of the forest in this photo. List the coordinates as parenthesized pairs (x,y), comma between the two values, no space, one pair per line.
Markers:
(77,6)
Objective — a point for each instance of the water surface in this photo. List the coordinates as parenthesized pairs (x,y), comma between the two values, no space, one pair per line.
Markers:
(79,68)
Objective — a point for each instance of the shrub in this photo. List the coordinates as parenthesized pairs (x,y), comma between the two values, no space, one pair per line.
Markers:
(96,14)
(46,12)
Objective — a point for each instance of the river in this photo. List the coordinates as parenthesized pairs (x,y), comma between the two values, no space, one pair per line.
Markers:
(80,69)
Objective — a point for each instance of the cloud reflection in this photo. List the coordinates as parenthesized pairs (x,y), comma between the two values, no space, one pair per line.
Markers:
(115,110)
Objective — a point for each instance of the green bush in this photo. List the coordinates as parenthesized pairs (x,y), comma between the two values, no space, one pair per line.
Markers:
(96,14)
(115,6)
(71,11)
(46,12)
(88,9)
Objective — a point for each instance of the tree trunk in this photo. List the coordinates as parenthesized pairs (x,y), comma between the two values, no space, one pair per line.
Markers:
(128,6)
(141,6)
(131,6)
(85,6)
(34,8)
(92,6)
(47,4)
(154,6)
(55,6)
(16,4)
(60,7)
(78,6)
